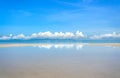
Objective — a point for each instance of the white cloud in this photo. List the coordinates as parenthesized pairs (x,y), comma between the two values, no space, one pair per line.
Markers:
(60,35)
(5,38)
(79,34)
(20,36)
(104,36)
(48,34)
(57,35)
(11,35)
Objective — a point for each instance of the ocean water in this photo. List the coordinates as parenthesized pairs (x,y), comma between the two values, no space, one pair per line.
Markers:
(61,41)
(71,60)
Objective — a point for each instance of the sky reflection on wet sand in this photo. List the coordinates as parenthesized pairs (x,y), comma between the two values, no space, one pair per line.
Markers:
(59,61)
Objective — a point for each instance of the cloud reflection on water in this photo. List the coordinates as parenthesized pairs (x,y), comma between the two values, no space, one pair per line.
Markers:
(49,46)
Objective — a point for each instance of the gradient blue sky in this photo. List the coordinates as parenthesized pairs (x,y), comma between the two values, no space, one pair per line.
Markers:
(31,16)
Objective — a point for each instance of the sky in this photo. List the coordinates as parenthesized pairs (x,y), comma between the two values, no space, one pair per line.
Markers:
(34,16)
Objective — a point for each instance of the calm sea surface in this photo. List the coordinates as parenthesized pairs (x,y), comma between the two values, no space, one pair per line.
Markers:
(60,61)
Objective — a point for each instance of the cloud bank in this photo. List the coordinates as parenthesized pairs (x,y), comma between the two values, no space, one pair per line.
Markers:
(46,35)
(61,35)
(113,35)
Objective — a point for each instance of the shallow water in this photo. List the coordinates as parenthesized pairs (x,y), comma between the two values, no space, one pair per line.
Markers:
(60,61)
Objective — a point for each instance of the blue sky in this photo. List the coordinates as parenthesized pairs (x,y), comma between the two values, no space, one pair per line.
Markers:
(33,16)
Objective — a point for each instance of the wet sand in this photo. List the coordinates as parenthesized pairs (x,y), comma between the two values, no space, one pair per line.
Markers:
(59,61)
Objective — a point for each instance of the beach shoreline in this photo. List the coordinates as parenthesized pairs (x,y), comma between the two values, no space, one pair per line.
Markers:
(66,44)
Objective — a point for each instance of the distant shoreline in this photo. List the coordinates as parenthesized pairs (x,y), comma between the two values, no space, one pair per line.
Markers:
(48,44)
